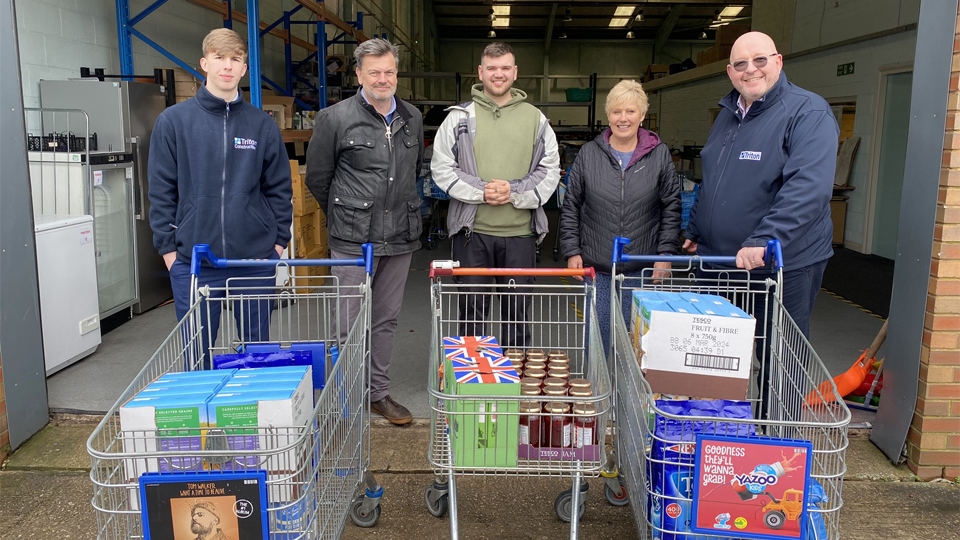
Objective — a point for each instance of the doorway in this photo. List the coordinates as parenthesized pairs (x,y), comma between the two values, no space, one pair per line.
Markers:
(895,88)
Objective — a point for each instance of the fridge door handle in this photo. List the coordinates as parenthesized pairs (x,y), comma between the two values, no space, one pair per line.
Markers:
(138,194)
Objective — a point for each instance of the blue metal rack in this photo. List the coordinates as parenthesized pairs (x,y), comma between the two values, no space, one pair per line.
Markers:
(351,32)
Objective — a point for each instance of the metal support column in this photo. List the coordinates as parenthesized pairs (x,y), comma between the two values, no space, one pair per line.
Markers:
(253,44)
(322,63)
(125,43)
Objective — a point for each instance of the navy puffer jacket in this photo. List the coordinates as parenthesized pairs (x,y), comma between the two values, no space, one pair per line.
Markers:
(602,201)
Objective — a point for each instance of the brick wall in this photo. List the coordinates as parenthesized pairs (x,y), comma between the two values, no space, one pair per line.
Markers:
(933,444)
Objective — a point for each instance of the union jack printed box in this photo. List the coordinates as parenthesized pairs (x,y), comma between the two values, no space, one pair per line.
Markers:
(484,433)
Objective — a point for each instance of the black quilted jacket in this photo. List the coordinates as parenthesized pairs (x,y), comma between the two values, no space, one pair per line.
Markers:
(641,203)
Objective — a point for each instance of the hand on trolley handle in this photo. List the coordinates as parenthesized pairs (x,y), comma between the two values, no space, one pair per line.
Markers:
(747,258)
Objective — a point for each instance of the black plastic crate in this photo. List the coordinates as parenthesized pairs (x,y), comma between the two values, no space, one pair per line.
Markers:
(60,142)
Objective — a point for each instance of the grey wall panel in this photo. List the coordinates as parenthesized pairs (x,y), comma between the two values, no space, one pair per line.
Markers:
(21,345)
(918,207)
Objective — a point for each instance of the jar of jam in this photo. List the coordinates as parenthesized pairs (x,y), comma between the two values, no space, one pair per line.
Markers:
(579,392)
(585,431)
(517,363)
(536,354)
(580,383)
(530,418)
(555,383)
(558,373)
(535,364)
(558,363)
(513,353)
(556,354)
(555,392)
(558,431)
(534,373)
(528,391)
(530,383)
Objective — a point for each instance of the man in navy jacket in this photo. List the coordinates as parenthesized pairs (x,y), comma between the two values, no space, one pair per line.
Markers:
(219,175)
(768,169)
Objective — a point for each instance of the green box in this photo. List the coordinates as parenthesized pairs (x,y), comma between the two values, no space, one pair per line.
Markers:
(482,433)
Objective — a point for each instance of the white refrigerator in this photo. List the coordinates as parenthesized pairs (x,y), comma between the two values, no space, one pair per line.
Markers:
(67,271)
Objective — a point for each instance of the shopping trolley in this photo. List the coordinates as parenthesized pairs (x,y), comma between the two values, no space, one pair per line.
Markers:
(561,318)
(317,473)
(436,230)
(799,406)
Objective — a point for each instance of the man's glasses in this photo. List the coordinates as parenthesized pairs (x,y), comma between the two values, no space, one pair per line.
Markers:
(759,62)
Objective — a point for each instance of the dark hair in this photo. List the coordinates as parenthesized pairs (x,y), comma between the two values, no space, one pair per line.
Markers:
(496,50)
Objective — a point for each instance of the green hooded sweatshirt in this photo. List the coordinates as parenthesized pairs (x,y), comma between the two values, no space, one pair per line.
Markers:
(503,145)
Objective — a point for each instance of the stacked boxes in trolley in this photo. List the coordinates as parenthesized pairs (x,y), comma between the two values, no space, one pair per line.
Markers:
(181,413)
(482,433)
(692,344)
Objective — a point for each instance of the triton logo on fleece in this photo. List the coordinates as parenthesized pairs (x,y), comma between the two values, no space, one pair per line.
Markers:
(244,144)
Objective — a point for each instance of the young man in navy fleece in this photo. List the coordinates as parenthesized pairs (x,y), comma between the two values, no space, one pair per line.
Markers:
(219,175)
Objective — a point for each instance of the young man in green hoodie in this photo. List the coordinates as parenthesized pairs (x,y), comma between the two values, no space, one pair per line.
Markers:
(497,158)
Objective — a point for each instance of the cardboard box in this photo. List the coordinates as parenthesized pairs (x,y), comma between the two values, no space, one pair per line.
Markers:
(729,33)
(694,345)
(304,202)
(480,433)
(277,113)
(306,278)
(714,54)
(286,103)
(304,235)
(655,71)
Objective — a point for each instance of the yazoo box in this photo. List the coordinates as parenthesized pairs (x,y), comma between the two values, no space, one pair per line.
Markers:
(173,422)
(278,372)
(635,323)
(687,352)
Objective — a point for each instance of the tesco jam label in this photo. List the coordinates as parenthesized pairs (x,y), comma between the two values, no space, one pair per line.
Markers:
(757,486)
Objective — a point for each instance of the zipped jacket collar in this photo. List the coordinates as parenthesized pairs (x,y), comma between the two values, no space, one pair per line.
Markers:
(402,112)
(646,142)
(772,96)
(215,105)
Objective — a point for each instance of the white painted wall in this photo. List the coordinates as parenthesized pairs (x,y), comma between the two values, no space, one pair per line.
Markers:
(823,22)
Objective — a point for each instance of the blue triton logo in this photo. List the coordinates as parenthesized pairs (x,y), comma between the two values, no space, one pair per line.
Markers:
(752,156)
(244,144)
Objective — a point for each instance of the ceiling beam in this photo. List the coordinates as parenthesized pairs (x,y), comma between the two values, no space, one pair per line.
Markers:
(550,22)
(666,28)
(324,14)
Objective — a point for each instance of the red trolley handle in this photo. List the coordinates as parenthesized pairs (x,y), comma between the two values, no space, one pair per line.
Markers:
(447,268)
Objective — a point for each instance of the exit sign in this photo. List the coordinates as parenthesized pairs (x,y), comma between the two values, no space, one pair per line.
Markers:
(845,69)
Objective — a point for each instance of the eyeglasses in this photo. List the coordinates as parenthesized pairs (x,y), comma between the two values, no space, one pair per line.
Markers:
(759,62)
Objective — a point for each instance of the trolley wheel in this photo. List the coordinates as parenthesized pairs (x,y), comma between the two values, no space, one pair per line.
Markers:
(442,504)
(616,498)
(442,234)
(774,519)
(556,254)
(431,243)
(562,506)
(361,518)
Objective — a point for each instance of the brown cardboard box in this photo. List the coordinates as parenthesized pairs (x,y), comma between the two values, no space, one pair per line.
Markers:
(716,54)
(303,201)
(306,278)
(655,71)
(288,108)
(838,213)
(304,235)
(729,33)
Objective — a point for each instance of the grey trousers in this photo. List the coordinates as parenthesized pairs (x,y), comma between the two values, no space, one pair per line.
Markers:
(389,280)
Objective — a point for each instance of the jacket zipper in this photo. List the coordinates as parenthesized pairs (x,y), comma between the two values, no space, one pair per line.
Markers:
(393,166)
(223,187)
(720,160)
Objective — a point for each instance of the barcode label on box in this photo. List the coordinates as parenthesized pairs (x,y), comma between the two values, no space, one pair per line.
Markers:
(724,363)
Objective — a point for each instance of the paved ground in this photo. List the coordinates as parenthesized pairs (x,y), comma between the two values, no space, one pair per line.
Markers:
(45,492)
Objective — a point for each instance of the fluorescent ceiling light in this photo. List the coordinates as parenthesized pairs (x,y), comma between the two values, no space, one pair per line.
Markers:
(731,11)
(624,11)
(502,14)
(501,22)
(619,22)
(501,11)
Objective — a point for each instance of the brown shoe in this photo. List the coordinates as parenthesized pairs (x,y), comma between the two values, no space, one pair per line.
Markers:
(394,412)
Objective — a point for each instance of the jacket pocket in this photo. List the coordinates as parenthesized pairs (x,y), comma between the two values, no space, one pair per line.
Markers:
(414,221)
(358,151)
(350,218)
(184,233)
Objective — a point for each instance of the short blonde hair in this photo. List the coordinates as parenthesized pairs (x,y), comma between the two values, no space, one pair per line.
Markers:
(627,92)
(224,41)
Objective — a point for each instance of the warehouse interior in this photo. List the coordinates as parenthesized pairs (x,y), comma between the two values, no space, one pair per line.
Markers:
(859,55)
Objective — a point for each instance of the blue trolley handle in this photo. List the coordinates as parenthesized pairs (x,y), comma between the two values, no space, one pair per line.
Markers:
(202,252)
(773,252)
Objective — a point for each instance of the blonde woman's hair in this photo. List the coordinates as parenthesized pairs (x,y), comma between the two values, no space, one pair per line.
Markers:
(627,92)
(224,41)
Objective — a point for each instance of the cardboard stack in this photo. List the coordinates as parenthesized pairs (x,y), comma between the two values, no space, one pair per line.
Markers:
(280,108)
(692,344)
(185,84)
(726,35)
(655,71)
(475,366)
(309,228)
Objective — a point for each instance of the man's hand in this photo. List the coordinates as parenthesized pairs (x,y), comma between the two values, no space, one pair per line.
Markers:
(279,249)
(661,270)
(496,192)
(575,262)
(689,246)
(169,259)
(749,258)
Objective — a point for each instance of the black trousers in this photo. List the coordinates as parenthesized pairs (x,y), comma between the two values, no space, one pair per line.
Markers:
(485,251)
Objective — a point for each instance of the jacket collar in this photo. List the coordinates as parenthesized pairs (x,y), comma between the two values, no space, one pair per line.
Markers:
(215,105)
(401,111)
(646,142)
(772,96)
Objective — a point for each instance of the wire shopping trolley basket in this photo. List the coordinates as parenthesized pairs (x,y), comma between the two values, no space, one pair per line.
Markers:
(657,433)
(316,468)
(436,229)
(495,411)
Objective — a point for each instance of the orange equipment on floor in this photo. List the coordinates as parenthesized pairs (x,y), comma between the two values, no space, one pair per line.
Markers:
(851,379)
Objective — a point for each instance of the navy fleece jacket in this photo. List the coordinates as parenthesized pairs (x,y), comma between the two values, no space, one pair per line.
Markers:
(769,176)
(219,175)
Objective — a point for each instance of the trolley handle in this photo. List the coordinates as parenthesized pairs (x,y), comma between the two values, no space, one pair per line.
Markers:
(202,252)
(774,252)
(452,268)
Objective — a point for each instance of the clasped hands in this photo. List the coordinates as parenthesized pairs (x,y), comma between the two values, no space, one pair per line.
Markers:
(496,192)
